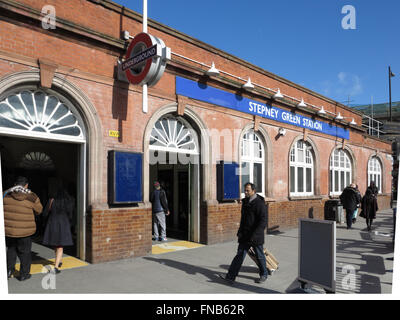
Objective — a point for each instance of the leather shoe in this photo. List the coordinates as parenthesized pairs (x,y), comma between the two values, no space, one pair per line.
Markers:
(261,279)
(224,277)
(25,277)
(10,274)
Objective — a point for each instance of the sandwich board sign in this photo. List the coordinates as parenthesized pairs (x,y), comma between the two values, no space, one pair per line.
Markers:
(317,253)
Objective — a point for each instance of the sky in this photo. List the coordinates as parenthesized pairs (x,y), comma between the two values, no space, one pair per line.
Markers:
(342,53)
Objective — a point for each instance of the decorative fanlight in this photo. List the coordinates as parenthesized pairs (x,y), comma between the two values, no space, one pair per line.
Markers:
(37,160)
(36,111)
(172,135)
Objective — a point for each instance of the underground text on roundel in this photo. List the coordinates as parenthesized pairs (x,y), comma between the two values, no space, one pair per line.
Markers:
(202,309)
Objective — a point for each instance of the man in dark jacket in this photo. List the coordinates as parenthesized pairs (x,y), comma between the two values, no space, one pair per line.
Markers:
(159,202)
(20,206)
(250,234)
(350,199)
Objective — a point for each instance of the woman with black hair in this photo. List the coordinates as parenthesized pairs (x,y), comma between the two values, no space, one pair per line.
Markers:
(58,228)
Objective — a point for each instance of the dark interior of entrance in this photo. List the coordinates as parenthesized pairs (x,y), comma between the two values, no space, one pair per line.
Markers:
(47,165)
(174,179)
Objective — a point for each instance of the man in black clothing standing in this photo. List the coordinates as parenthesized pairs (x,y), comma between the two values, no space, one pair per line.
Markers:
(350,199)
(250,234)
(159,202)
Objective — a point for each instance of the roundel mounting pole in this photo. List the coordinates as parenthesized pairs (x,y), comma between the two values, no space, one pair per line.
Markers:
(144,92)
(145,60)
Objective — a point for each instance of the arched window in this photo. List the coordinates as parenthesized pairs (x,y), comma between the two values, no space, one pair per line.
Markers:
(252,161)
(172,134)
(301,169)
(375,173)
(339,171)
(35,113)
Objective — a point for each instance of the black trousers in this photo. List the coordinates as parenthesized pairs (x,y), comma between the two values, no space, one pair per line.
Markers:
(22,248)
(349,217)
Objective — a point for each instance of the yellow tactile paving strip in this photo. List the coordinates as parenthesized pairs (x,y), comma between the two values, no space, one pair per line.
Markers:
(174,246)
(42,266)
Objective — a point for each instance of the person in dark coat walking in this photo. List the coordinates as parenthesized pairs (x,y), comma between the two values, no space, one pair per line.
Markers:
(158,199)
(374,188)
(250,234)
(369,206)
(350,199)
(58,228)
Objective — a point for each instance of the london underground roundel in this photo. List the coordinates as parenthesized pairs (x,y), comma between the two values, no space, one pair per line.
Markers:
(145,59)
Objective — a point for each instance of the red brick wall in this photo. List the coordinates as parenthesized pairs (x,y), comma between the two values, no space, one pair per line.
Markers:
(220,222)
(118,233)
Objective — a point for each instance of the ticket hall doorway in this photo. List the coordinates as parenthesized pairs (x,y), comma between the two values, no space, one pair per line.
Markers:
(174,162)
(43,137)
(48,166)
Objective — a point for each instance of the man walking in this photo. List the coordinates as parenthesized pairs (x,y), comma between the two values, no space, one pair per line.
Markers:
(250,234)
(350,199)
(158,198)
(20,207)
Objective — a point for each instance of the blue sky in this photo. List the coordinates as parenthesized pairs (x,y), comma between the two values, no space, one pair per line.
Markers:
(302,41)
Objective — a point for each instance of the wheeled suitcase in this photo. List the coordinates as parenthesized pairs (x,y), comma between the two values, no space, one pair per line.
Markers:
(272,262)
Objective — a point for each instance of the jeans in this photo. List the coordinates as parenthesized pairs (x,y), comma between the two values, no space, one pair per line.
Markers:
(239,258)
(159,220)
(349,217)
(20,247)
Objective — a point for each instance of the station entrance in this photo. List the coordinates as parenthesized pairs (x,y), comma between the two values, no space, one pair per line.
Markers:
(42,137)
(48,166)
(174,162)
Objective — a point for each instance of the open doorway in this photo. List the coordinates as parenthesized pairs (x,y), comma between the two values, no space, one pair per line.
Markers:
(180,182)
(174,180)
(47,165)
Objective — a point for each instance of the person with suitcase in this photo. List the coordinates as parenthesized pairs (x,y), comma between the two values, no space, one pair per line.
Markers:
(272,262)
(250,234)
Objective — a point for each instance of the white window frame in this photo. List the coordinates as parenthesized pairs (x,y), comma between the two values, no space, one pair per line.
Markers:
(308,162)
(31,117)
(249,140)
(375,169)
(339,162)
(172,139)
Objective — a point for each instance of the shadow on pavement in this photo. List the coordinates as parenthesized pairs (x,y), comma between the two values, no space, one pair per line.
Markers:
(367,254)
(211,275)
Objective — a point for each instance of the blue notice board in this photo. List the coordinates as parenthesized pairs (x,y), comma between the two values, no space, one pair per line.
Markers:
(228,181)
(125,177)
(206,93)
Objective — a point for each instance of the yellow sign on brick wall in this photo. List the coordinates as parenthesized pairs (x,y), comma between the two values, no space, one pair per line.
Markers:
(113,133)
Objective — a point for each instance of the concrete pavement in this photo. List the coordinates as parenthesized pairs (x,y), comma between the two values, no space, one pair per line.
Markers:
(195,270)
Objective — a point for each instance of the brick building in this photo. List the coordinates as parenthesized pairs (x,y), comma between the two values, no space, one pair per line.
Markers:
(67,115)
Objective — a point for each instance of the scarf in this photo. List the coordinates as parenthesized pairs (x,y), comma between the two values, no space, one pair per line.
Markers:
(18,189)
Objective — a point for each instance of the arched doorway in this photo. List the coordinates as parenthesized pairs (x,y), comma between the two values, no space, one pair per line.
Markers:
(174,160)
(43,137)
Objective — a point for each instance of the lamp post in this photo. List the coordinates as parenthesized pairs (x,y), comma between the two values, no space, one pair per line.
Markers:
(391,74)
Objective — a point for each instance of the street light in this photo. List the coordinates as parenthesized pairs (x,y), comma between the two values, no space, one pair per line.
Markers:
(391,74)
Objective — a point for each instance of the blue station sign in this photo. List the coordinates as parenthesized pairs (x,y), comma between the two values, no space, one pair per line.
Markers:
(203,92)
